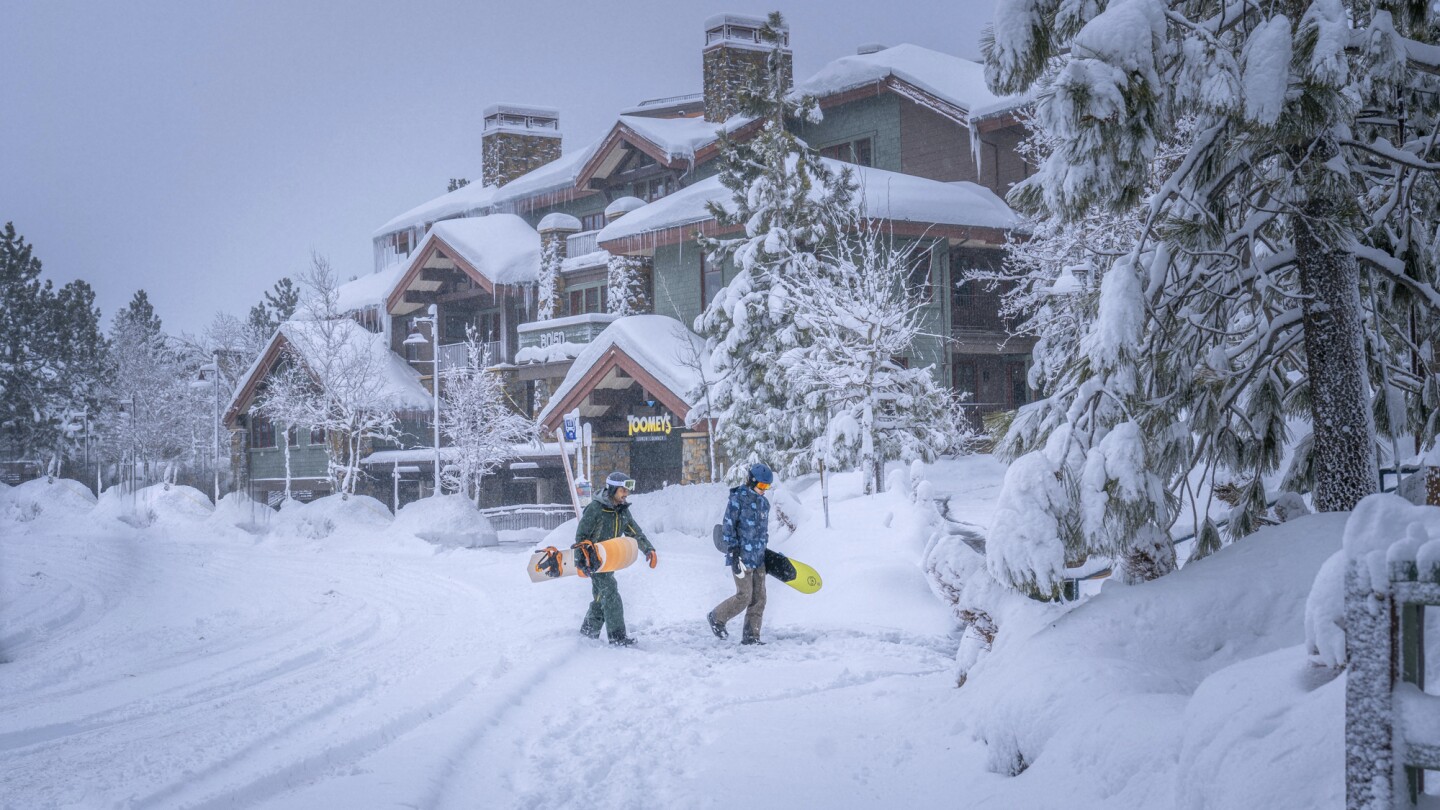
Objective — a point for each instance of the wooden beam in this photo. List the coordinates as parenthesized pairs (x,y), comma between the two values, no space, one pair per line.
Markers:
(421,296)
(462,295)
(614,396)
(441,274)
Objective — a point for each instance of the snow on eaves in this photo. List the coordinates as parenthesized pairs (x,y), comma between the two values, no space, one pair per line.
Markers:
(882,195)
(660,344)
(372,289)
(681,138)
(476,199)
(952,79)
(502,247)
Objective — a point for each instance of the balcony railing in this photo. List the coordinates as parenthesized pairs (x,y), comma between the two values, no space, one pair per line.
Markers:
(454,355)
(580,244)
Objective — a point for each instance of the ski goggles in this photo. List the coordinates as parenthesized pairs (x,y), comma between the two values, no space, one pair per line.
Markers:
(761,486)
(628,483)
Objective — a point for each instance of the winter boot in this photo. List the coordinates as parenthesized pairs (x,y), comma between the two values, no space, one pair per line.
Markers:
(588,633)
(716,627)
(755,640)
(623,641)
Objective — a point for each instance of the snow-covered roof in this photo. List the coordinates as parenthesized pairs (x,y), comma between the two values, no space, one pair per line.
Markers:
(952,79)
(416,455)
(624,205)
(370,290)
(681,138)
(501,247)
(557,221)
(659,344)
(386,374)
(475,198)
(882,195)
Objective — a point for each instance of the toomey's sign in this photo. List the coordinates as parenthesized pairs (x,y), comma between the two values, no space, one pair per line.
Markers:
(649,425)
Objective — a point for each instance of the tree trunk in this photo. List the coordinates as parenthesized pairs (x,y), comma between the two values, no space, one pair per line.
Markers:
(1345,468)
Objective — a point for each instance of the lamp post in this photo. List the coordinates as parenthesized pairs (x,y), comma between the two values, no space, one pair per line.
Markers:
(213,369)
(415,338)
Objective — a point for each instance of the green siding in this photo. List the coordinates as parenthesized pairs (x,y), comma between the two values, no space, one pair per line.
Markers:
(305,462)
(677,282)
(876,118)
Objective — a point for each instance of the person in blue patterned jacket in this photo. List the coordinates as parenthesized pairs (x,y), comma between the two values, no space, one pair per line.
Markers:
(746,531)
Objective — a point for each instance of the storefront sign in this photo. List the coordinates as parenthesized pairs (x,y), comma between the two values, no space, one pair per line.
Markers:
(649,425)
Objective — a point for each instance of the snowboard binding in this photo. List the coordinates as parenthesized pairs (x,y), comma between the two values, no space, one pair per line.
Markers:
(587,557)
(550,564)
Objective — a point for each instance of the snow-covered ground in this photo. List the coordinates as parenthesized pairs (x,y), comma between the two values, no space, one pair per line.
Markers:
(159,655)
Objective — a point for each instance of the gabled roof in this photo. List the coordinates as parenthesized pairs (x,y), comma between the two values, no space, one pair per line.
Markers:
(492,250)
(388,376)
(672,142)
(370,290)
(951,85)
(900,200)
(656,351)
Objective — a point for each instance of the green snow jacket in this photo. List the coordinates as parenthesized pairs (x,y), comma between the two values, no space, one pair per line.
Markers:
(604,519)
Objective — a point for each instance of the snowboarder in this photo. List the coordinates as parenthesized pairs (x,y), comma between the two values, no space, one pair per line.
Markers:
(746,531)
(606,516)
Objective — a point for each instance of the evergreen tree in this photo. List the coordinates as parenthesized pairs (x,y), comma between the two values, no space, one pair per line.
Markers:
(276,307)
(22,307)
(626,286)
(1228,143)
(455,184)
(788,206)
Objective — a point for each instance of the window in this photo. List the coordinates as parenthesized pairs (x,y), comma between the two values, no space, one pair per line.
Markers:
(455,327)
(593,222)
(711,280)
(963,296)
(292,436)
(965,379)
(654,188)
(859,151)
(488,326)
(317,436)
(402,242)
(262,432)
(587,300)
(1019,388)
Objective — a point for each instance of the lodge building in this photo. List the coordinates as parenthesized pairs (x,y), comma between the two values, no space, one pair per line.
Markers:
(933,152)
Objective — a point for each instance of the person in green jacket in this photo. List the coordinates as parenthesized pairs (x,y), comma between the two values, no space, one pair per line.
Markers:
(606,516)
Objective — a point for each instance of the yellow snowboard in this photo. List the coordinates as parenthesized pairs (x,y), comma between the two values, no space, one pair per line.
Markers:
(807,579)
(554,563)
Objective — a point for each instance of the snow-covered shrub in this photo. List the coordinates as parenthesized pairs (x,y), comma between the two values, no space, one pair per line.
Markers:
(1290,505)
(325,516)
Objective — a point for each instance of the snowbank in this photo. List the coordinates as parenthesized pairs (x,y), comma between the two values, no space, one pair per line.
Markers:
(1131,699)
(693,509)
(331,515)
(451,521)
(166,506)
(52,497)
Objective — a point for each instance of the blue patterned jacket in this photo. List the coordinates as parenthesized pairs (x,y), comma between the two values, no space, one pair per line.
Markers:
(747,526)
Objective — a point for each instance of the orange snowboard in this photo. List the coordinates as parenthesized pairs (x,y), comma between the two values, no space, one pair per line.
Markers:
(615,553)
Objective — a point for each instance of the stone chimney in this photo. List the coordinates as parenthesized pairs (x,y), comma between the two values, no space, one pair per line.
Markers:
(517,139)
(735,53)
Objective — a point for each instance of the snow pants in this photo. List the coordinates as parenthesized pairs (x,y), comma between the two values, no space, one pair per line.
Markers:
(750,598)
(605,608)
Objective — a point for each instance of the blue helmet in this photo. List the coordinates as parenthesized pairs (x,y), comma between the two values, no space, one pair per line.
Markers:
(760,473)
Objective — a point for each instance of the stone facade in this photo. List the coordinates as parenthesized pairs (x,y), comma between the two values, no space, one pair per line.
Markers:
(507,155)
(728,70)
(610,455)
(695,467)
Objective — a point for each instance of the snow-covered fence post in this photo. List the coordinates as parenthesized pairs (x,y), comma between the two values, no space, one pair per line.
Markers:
(1391,731)
(1369,710)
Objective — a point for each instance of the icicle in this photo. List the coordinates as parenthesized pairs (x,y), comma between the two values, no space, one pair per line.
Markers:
(975,151)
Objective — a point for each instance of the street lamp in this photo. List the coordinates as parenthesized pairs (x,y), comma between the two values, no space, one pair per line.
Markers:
(213,369)
(415,338)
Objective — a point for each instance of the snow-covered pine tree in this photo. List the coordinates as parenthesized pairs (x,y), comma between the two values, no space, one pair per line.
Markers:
(860,317)
(789,206)
(1245,255)
(474,413)
(625,294)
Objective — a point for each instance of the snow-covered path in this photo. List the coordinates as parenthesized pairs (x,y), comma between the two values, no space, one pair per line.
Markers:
(194,671)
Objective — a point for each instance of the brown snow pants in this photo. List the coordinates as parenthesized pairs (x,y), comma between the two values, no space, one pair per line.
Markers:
(750,598)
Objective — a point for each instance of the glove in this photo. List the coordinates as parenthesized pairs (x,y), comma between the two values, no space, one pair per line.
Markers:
(652,557)
(735,566)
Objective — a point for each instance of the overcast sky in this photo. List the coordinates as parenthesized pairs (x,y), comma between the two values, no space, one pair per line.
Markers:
(202,150)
